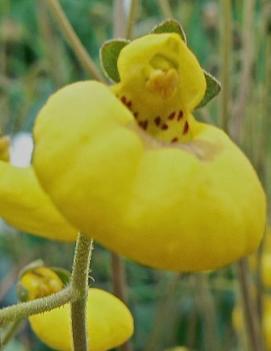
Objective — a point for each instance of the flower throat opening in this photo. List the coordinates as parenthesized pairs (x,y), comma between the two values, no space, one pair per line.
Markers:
(153,95)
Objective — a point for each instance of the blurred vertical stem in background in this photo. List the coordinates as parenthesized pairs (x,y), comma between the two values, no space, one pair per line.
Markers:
(263,119)
(266,102)
(73,40)
(10,331)
(226,62)
(251,316)
(250,312)
(166,312)
(132,18)
(51,47)
(248,28)
(207,309)
(165,8)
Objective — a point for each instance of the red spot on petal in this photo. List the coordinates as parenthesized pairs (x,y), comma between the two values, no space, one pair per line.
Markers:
(174,140)
(143,124)
(157,120)
(136,114)
(129,104)
(123,99)
(172,115)
(164,126)
(186,127)
(180,115)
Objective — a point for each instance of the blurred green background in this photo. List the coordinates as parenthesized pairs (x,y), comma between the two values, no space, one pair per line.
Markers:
(169,309)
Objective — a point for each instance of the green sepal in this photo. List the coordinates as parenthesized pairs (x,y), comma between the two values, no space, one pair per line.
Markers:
(21,293)
(213,88)
(109,54)
(30,267)
(63,274)
(170,26)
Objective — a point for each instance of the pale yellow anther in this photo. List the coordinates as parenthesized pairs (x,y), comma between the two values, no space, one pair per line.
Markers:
(163,83)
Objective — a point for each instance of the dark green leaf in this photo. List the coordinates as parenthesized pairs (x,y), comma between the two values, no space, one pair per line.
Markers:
(62,274)
(170,26)
(213,88)
(109,54)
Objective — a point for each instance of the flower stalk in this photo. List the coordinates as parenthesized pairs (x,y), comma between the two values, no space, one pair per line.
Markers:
(79,284)
(254,334)
(44,304)
(71,37)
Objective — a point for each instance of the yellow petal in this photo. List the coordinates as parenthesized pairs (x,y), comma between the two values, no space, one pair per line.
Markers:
(25,206)
(110,323)
(186,207)
(151,60)
(161,82)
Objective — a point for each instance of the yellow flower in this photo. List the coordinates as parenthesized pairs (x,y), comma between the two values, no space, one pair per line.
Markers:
(27,207)
(40,282)
(110,323)
(133,168)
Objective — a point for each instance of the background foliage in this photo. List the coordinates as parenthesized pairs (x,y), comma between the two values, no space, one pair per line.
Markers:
(170,309)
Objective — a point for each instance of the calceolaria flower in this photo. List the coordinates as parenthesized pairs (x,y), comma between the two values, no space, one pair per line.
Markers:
(131,166)
(25,205)
(109,321)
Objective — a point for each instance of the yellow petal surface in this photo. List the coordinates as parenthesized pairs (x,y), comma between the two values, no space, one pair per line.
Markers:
(109,323)
(161,82)
(185,207)
(27,207)
(147,58)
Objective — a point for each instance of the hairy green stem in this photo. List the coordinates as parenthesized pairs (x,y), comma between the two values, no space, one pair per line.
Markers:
(79,283)
(73,40)
(25,309)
